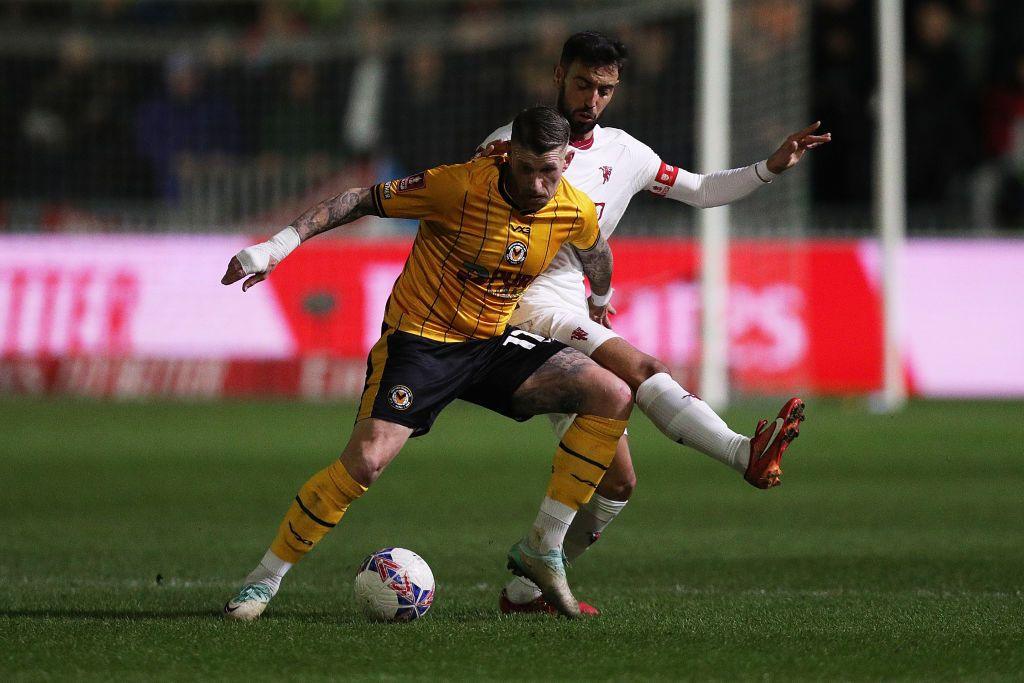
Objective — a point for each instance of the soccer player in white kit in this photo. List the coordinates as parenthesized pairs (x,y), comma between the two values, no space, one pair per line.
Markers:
(611,166)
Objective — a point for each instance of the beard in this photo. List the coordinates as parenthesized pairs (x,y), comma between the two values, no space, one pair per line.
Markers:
(577,129)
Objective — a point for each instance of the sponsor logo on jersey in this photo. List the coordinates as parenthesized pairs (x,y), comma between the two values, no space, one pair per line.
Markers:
(507,285)
(400,397)
(606,173)
(516,253)
(525,229)
(579,334)
(417,181)
(473,272)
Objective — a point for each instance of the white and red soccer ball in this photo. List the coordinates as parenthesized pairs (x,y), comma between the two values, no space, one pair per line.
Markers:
(394,584)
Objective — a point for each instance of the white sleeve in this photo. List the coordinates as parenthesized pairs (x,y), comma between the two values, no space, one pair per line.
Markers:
(648,165)
(713,189)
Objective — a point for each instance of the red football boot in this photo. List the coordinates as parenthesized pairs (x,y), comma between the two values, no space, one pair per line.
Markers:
(539,606)
(770,441)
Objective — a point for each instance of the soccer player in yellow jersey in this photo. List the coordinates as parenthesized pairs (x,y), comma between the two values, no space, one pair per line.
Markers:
(487,228)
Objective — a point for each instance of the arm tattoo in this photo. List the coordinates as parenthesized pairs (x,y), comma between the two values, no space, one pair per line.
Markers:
(555,387)
(597,266)
(338,210)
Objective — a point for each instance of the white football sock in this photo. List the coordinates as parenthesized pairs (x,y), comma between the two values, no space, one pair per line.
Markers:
(549,528)
(269,572)
(686,419)
(586,526)
(590,521)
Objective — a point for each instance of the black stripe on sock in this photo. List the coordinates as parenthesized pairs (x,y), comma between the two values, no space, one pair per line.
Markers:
(584,481)
(603,468)
(312,516)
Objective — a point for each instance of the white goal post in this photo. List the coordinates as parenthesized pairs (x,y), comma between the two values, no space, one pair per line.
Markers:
(716,99)
(713,100)
(891,195)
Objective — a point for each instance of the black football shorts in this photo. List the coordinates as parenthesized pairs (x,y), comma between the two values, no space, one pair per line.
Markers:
(410,379)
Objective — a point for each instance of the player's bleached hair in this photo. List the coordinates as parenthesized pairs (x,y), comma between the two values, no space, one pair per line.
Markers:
(540,129)
(593,49)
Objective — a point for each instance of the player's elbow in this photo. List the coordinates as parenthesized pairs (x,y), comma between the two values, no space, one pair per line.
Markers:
(705,200)
(701,193)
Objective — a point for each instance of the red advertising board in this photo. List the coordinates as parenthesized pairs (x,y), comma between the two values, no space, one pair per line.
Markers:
(800,316)
(144,315)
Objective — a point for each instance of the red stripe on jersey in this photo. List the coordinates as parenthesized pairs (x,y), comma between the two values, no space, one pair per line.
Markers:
(582,144)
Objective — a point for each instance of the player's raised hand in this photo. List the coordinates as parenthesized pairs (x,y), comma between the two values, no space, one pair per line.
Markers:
(792,150)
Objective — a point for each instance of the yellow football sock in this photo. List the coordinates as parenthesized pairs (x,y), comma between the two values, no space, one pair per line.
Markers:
(583,456)
(320,505)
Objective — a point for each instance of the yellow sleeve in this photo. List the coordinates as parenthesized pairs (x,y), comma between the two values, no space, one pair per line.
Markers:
(431,195)
(585,236)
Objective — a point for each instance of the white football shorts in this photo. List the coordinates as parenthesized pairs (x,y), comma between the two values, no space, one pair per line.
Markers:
(570,325)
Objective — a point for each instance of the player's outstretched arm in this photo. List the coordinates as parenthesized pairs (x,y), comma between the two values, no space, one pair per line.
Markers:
(724,187)
(259,260)
(597,266)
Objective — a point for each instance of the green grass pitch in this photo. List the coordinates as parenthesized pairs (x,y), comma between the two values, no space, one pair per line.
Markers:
(893,550)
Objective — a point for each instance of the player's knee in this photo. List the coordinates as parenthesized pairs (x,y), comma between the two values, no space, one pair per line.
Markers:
(619,487)
(363,462)
(610,395)
(639,369)
(649,367)
(362,470)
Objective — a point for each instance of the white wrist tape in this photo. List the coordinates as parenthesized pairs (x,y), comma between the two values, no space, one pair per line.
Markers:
(257,258)
(603,299)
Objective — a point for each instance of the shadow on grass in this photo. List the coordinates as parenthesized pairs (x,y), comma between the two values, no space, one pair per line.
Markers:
(105,614)
(342,618)
(164,615)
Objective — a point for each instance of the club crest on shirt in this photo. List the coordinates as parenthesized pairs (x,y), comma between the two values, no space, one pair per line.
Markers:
(400,397)
(516,253)
(606,173)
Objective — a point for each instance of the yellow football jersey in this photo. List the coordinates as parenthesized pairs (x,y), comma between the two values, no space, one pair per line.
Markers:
(474,254)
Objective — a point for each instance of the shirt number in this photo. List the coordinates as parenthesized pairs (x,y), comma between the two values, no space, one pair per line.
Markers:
(514,337)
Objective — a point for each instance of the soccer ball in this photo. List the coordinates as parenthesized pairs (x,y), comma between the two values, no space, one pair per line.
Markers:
(394,584)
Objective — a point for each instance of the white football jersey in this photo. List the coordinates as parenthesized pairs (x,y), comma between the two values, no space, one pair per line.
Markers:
(610,168)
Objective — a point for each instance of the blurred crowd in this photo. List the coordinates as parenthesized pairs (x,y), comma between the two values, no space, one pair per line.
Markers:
(964,108)
(280,93)
(132,101)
